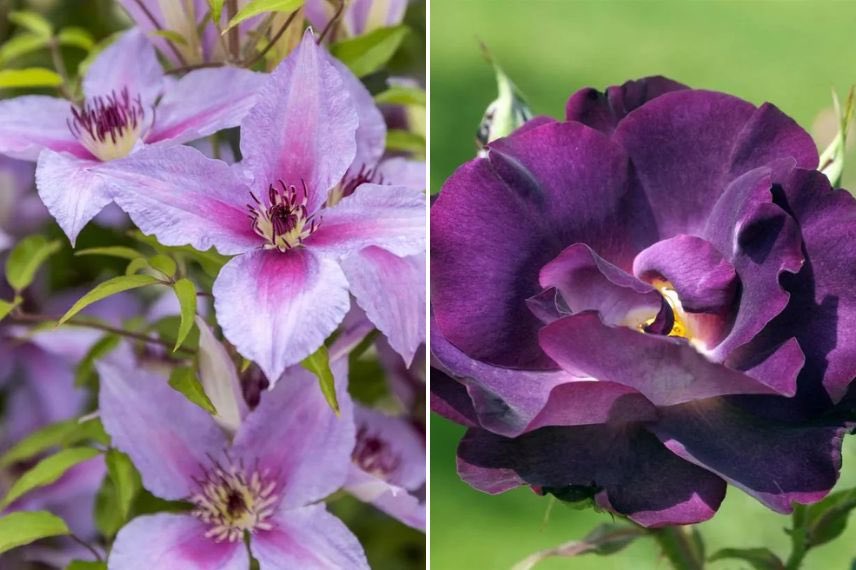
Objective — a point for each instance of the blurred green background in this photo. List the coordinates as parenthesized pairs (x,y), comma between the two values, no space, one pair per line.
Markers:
(790,53)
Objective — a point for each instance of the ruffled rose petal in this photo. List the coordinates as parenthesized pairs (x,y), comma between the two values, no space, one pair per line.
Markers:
(173,542)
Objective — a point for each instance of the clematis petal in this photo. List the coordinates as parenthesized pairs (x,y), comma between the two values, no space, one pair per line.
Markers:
(183,197)
(296,299)
(777,463)
(508,216)
(588,282)
(395,501)
(704,281)
(73,190)
(371,132)
(624,470)
(391,290)
(403,442)
(32,123)
(294,433)
(603,111)
(302,129)
(183,116)
(389,217)
(219,378)
(400,171)
(665,370)
(173,542)
(168,438)
(128,63)
(309,538)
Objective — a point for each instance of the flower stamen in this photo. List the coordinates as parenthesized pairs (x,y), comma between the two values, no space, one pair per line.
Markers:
(284,220)
(108,126)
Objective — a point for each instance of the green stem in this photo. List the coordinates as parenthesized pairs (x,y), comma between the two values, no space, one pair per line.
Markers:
(799,544)
(679,547)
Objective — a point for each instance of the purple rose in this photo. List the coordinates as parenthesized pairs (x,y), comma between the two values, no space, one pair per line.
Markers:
(646,301)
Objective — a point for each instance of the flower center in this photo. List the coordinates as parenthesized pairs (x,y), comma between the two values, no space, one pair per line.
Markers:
(283,221)
(233,500)
(108,126)
(680,323)
(350,183)
(373,455)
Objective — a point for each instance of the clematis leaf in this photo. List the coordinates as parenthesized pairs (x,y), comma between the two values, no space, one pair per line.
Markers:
(111,251)
(604,539)
(107,517)
(59,434)
(22,44)
(827,520)
(32,21)
(183,379)
(126,480)
(216,7)
(758,558)
(185,291)
(26,258)
(505,113)
(256,7)
(6,307)
(163,263)
(318,363)
(369,52)
(405,141)
(84,372)
(401,96)
(832,159)
(47,471)
(86,565)
(29,77)
(76,37)
(24,527)
(108,288)
(136,265)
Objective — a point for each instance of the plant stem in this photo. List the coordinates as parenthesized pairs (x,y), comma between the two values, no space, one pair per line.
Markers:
(19,317)
(234,37)
(799,546)
(272,41)
(679,547)
(87,546)
(59,65)
(159,28)
(340,7)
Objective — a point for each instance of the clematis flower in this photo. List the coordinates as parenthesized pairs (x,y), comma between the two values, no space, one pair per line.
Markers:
(646,301)
(388,466)
(264,484)
(272,212)
(129,105)
(359,16)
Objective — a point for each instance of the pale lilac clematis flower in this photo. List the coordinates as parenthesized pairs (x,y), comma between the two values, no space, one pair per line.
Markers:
(287,454)
(285,291)
(129,105)
(388,466)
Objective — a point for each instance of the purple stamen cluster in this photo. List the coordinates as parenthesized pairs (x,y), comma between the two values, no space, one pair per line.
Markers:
(365,175)
(110,116)
(284,221)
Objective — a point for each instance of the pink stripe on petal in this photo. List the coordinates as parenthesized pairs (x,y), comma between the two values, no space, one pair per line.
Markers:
(32,123)
(277,308)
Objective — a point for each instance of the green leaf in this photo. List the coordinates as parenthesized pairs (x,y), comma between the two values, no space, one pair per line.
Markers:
(367,53)
(108,519)
(759,558)
(605,539)
(255,7)
(827,520)
(6,307)
(32,21)
(183,379)
(401,96)
(681,546)
(185,291)
(108,288)
(126,480)
(26,258)
(29,77)
(136,265)
(318,363)
(47,471)
(163,263)
(505,113)
(170,35)
(22,44)
(60,434)
(85,370)
(216,10)
(76,37)
(24,527)
(111,251)
(405,141)
(86,565)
